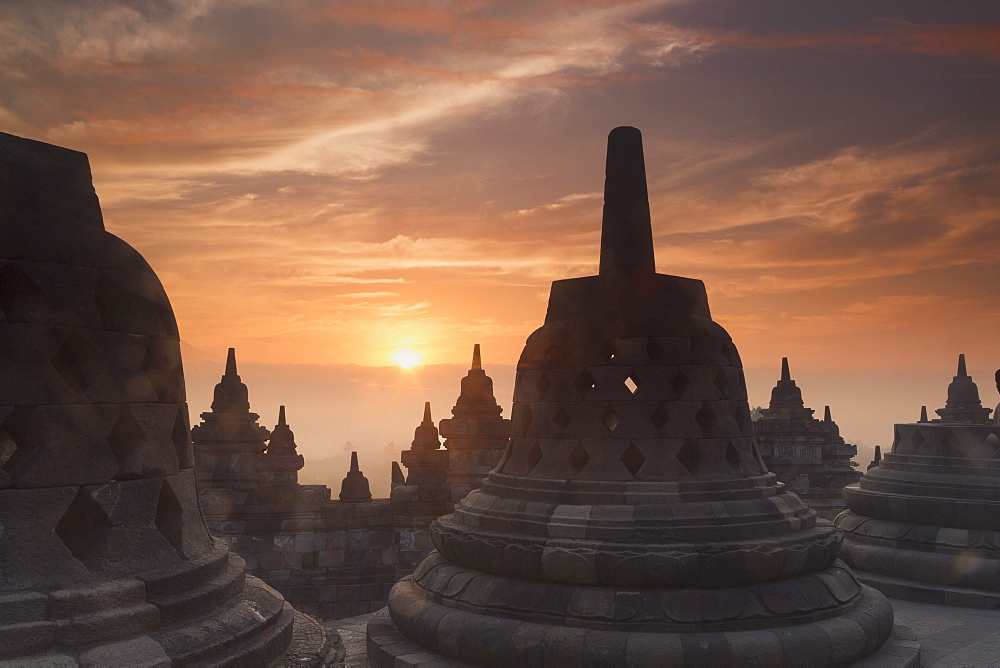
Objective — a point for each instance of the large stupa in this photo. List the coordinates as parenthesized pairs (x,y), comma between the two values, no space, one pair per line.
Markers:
(631,520)
(924,524)
(105,559)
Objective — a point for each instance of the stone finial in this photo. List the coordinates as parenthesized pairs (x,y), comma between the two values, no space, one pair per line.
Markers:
(282,439)
(231,393)
(476,400)
(397,474)
(963,405)
(425,436)
(354,488)
(878,458)
(923,414)
(626,232)
(786,396)
(826,414)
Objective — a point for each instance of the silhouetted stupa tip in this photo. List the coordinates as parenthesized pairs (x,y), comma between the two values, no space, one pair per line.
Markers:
(282,440)
(786,375)
(425,436)
(923,413)
(281,416)
(231,393)
(626,232)
(231,363)
(477,362)
(963,404)
(826,414)
(354,488)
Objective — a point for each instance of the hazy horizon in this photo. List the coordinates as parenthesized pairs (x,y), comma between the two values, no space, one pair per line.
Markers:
(329,405)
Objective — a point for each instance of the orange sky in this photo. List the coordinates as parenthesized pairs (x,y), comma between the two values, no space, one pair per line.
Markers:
(324,183)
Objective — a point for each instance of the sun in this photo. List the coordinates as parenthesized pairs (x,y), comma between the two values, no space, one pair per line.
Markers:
(407,358)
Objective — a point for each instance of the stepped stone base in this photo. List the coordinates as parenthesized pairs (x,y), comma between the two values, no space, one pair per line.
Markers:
(388,648)
(920,592)
(205,612)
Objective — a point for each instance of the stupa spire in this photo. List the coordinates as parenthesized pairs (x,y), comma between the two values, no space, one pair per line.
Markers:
(963,405)
(785,373)
(230,392)
(354,488)
(923,413)
(626,232)
(425,436)
(282,439)
(477,362)
(826,414)
(231,363)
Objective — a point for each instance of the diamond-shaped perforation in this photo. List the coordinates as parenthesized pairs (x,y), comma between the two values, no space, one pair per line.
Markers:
(526,417)
(706,419)
(578,457)
(659,418)
(112,302)
(170,518)
(181,438)
(722,383)
(126,440)
(543,385)
(653,350)
(610,419)
(918,438)
(584,382)
(160,364)
(19,294)
(631,384)
(533,456)
(690,458)
(743,420)
(78,362)
(83,526)
(679,383)
(562,419)
(633,459)
(733,457)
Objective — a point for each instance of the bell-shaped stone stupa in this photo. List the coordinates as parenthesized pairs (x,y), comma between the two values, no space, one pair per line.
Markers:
(925,523)
(631,520)
(354,488)
(104,556)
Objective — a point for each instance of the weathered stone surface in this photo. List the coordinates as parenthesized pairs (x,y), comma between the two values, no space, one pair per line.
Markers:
(631,516)
(924,521)
(99,513)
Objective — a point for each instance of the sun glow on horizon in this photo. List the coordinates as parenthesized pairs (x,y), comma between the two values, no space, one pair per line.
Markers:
(407,358)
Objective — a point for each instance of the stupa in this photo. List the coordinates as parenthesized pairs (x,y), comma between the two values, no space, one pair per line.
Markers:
(925,523)
(426,464)
(354,487)
(475,436)
(104,556)
(631,520)
(806,454)
(229,444)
